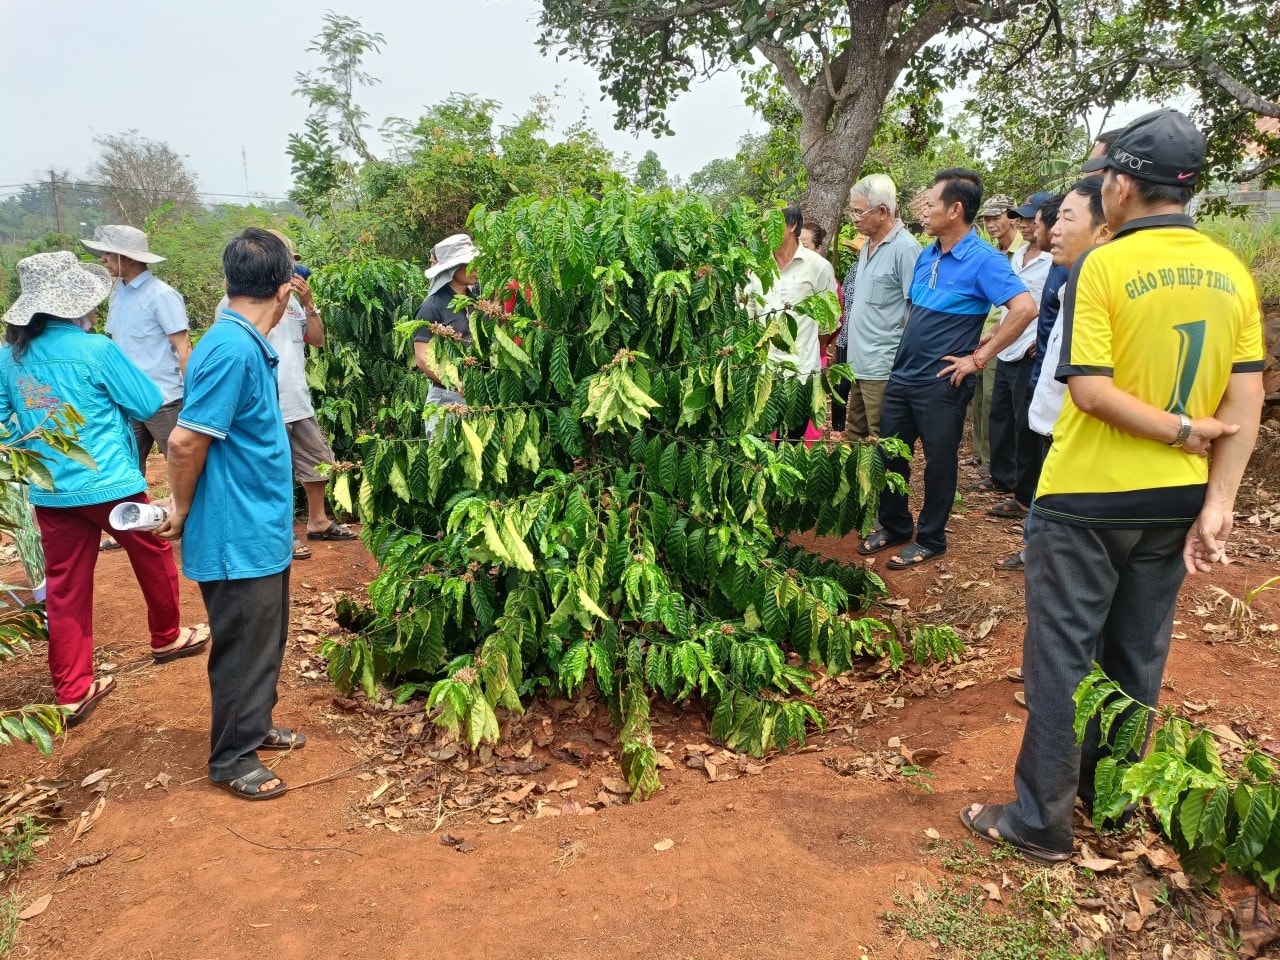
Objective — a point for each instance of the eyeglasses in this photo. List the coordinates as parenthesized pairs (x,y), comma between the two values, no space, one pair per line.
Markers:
(856,215)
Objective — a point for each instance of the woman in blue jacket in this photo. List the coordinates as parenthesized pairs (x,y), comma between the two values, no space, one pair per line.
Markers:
(50,362)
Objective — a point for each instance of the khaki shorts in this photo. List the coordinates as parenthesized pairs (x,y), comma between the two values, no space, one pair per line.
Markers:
(309,449)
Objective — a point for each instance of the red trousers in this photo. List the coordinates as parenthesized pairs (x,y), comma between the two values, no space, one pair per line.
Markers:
(71,537)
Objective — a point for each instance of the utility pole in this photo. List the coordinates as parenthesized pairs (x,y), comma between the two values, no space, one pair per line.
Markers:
(53,189)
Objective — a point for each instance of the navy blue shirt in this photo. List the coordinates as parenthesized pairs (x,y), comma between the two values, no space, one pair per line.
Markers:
(1050,304)
(951,295)
(241,520)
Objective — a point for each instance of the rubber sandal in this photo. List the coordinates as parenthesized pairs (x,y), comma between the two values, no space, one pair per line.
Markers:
(249,787)
(1020,699)
(914,556)
(197,640)
(98,690)
(1014,675)
(1013,563)
(300,550)
(282,738)
(335,531)
(109,543)
(878,541)
(970,462)
(985,485)
(983,825)
(1009,509)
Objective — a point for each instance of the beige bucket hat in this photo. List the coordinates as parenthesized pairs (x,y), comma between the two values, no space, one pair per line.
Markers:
(127,241)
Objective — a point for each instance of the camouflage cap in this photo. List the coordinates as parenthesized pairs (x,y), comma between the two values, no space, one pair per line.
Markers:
(996,206)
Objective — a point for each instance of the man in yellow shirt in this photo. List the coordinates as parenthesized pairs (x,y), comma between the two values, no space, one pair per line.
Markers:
(1162,356)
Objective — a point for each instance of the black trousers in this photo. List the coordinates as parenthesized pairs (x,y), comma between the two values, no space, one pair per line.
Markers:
(1092,595)
(932,413)
(248,625)
(840,402)
(1015,447)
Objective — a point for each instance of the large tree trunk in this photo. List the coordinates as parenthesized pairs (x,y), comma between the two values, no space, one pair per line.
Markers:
(833,158)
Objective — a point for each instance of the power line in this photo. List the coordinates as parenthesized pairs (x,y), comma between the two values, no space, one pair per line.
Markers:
(73,184)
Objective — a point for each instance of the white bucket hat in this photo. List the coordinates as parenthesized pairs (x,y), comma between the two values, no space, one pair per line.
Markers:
(57,284)
(127,241)
(450,254)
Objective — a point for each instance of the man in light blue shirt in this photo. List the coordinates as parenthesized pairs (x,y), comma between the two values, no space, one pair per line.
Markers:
(229,467)
(148,319)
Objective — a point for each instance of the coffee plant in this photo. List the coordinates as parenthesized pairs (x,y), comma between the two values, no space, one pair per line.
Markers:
(1216,815)
(608,506)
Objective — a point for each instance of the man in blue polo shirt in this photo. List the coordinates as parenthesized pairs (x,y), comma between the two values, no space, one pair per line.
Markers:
(956,281)
(229,466)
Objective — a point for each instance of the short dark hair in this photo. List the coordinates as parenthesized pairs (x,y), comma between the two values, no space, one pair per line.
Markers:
(819,234)
(1091,189)
(794,219)
(1049,210)
(19,338)
(1159,193)
(256,264)
(963,186)
(1108,137)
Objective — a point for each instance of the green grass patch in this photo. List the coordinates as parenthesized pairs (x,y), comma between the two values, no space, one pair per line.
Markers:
(1256,240)
(958,917)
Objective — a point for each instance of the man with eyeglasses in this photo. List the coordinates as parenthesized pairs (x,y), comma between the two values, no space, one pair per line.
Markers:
(956,280)
(878,309)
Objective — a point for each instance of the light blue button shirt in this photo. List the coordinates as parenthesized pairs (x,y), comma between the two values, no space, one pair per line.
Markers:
(143,314)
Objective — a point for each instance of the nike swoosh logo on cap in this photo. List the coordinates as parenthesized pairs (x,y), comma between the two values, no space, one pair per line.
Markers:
(1186,176)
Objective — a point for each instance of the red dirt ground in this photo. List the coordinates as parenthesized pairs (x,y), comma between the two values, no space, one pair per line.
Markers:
(791,861)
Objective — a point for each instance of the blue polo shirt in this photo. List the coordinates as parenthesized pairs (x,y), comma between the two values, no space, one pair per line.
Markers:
(241,520)
(951,295)
(143,314)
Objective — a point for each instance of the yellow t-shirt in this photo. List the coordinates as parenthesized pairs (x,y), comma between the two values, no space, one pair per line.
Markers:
(1169,315)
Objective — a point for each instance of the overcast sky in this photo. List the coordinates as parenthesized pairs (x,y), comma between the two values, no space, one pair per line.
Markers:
(209,78)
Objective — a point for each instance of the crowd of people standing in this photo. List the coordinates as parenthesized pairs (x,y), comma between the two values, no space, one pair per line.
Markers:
(1108,355)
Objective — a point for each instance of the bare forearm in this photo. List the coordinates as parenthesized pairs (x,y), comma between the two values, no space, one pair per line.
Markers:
(315,328)
(182,347)
(186,464)
(1230,454)
(1005,333)
(1103,400)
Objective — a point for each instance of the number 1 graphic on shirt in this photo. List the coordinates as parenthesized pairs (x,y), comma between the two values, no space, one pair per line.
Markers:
(1190,346)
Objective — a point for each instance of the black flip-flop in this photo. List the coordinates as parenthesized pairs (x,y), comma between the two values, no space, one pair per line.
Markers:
(282,738)
(334,531)
(914,556)
(877,541)
(249,786)
(100,688)
(189,649)
(983,826)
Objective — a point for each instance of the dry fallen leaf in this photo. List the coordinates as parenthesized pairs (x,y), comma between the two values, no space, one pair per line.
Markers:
(1099,864)
(993,892)
(615,785)
(664,845)
(36,907)
(94,777)
(933,834)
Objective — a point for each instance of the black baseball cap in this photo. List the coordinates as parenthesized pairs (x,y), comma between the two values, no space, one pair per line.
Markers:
(1163,147)
(1034,202)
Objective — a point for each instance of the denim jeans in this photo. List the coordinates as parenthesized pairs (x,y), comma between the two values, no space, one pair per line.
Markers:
(932,413)
(248,625)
